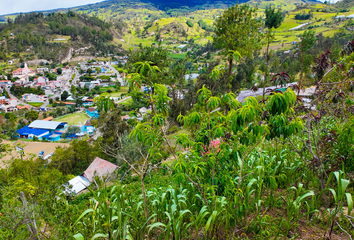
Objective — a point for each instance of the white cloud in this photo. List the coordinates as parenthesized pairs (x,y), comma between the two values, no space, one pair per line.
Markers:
(16,6)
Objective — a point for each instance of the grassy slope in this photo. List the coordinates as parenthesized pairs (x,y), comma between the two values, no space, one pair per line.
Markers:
(74,118)
(284,37)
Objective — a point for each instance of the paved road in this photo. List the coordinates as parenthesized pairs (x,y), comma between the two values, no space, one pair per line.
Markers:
(122,100)
(21,102)
(119,78)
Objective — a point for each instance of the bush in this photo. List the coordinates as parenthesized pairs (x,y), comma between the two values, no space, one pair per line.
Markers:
(190,24)
(172,129)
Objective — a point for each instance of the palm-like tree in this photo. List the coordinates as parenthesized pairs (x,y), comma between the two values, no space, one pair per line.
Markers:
(104,103)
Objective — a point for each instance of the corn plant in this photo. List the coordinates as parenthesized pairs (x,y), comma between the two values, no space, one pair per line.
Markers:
(106,217)
(217,217)
(176,223)
(294,203)
(198,220)
(339,195)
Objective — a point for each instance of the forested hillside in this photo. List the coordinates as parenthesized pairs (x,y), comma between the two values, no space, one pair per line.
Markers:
(51,36)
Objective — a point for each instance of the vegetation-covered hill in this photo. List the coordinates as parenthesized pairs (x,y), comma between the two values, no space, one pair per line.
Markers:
(152,9)
(51,36)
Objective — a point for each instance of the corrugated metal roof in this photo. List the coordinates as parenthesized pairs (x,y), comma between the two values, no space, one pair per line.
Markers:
(40,124)
(99,168)
(249,93)
(25,131)
(77,184)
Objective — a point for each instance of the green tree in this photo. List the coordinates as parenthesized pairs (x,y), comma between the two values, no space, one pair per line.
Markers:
(59,71)
(273,20)
(11,116)
(75,158)
(64,95)
(308,40)
(73,89)
(31,115)
(89,71)
(146,73)
(98,70)
(104,102)
(237,31)
(71,131)
(110,124)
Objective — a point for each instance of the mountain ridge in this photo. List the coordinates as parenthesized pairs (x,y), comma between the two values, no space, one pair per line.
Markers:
(128,9)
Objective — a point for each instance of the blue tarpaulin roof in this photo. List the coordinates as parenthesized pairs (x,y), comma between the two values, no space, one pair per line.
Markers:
(25,131)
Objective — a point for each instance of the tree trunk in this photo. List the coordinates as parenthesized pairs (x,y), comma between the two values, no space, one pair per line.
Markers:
(302,70)
(144,195)
(31,225)
(230,72)
(266,69)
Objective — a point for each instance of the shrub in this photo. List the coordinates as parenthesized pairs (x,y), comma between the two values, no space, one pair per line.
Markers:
(172,129)
(190,24)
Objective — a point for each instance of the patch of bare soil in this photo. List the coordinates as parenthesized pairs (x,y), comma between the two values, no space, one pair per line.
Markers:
(31,147)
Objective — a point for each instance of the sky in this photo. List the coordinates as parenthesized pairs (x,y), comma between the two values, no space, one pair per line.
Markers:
(16,6)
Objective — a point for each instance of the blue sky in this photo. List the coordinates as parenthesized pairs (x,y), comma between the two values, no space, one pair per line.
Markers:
(14,6)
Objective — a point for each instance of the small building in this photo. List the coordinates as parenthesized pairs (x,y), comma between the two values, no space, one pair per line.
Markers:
(87,127)
(92,112)
(67,103)
(340,17)
(125,117)
(191,76)
(182,46)
(76,185)
(42,70)
(5,83)
(48,119)
(30,97)
(249,93)
(98,168)
(23,107)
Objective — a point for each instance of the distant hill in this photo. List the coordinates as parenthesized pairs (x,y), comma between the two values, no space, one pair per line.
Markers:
(56,35)
(345,4)
(153,9)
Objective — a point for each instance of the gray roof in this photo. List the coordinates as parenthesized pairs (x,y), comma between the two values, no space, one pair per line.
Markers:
(77,184)
(52,125)
(249,93)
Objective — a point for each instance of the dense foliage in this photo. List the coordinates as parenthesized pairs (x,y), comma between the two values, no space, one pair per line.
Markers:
(37,32)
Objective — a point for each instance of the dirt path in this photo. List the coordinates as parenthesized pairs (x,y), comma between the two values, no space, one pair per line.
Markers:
(33,147)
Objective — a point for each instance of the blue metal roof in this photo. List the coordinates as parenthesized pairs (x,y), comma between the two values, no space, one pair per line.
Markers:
(25,131)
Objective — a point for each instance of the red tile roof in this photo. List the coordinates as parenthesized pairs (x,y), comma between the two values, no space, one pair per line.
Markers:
(91,109)
(23,107)
(48,119)
(68,103)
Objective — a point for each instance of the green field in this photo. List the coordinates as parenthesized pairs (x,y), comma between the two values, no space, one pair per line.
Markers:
(35,104)
(114,93)
(74,118)
(178,55)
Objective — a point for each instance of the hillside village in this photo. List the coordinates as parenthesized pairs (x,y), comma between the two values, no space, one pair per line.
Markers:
(70,76)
